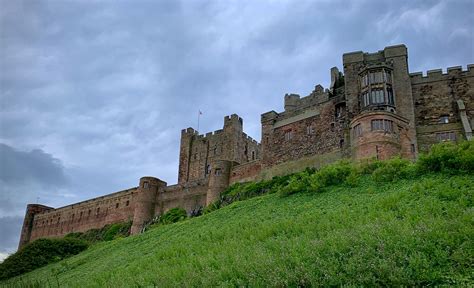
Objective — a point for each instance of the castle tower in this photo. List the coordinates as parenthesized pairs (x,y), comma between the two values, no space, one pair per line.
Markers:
(218,179)
(31,210)
(145,200)
(187,137)
(380,102)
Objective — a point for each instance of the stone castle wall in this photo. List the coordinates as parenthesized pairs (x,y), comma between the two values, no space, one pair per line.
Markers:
(436,97)
(375,109)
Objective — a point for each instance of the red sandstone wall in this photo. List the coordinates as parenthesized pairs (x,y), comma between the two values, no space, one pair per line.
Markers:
(189,196)
(245,172)
(83,216)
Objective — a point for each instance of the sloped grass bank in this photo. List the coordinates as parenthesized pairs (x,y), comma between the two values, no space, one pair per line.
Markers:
(409,232)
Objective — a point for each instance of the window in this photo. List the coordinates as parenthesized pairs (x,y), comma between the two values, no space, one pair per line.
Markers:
(117,205)
(412,148)
(98,211)
(72,216)
(339,111)
(127,203)
(357,130)
(218,172)
(443,119)
(309,130)
(341,143)
(253,155)
(446,136)
(89,213)
(208,169)
(288,135)
(145,184)
(382,125)
(391,100)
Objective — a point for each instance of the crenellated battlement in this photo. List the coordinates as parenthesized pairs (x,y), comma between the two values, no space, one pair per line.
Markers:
(439,75)
(351,120)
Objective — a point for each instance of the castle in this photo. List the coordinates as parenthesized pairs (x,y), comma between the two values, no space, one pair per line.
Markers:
(375,109)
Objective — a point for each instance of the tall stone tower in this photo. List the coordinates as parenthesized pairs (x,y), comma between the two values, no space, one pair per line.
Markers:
(380,102)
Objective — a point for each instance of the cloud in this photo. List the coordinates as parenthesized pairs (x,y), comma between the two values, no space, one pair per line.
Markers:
(106,88)
(25,176)
(10,228)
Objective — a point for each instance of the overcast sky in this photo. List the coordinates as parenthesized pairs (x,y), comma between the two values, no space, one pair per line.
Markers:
(94,93)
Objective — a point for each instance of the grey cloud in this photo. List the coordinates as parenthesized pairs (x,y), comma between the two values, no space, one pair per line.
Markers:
(10,228)
(36,165)
(107,88)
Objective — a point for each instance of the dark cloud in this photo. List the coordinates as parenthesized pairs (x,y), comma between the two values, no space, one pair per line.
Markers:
(106,88)
(34,166)
(10,228)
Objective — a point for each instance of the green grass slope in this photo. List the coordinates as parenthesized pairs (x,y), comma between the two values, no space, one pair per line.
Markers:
(409,232)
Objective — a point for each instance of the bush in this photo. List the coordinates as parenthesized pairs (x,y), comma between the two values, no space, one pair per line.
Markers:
(40,253)
(332,174)
(448,158)
(173,215)
(394,169)
(106,233)
(299,182)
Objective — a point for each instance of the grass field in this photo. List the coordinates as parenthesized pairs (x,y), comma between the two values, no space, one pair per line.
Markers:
(409,232)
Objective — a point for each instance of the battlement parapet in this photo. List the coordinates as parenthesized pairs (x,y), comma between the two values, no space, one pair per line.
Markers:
(234,118)
(387,52)
(438,75)
(189,131)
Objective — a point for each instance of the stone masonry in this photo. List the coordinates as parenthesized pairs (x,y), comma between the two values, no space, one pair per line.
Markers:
(375,109)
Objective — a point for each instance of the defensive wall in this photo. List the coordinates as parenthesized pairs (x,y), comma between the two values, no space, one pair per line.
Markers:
(375,109)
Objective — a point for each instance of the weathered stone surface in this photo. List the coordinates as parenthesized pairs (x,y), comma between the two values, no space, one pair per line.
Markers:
(320,128)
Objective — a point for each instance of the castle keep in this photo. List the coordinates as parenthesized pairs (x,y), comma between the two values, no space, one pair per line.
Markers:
(375,108)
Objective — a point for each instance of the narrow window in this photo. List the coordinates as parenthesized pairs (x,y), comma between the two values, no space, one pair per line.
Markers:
(116,205)
(443,119)
(288,135)
(341,143)
(357,130)
(253,155)
(309,130)
(446,136)
(89,213)
(208,169)
(218,172)
(127,203)
(390,97)
(145,184)
(412,148)
(97,212)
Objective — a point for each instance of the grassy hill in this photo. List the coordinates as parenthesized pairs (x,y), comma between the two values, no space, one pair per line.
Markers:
(406,231)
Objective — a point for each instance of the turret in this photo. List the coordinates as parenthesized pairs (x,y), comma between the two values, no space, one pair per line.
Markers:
(291,101)
(144,200)
(31,211)
(218,179)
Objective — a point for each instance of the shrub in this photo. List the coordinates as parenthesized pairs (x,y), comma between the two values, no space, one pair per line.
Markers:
(173,215)
(394,169)
(40,253)
(332,174)
(297,183)
(448,158)
(106,233)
